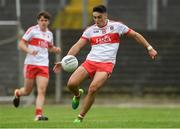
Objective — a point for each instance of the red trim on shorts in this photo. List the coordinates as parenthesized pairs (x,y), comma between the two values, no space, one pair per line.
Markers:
(92,67)
(31,71)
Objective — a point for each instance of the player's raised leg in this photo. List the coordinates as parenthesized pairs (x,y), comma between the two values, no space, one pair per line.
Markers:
(73,84)
(98,81)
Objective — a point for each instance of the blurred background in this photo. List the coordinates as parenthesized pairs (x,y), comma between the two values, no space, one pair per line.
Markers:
(135,78)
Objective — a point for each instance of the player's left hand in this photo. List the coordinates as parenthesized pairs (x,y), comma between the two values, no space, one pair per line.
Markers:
(57,67)
(153,53)
(57,50)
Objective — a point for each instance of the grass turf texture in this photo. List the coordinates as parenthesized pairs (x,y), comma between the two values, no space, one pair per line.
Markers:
(98,117)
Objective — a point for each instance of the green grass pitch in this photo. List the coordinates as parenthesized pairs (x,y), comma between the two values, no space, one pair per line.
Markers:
(98,117)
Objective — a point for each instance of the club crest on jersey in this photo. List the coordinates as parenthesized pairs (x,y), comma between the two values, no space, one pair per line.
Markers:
(111,28)
(103,31)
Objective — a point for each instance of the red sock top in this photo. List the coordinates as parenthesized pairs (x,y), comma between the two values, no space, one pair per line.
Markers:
(38,111)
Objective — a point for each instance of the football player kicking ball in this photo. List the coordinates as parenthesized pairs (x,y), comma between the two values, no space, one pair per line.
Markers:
(36,42)
(104,37)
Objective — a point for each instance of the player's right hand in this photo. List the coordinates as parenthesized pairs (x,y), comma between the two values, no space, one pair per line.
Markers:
(57,67)
(33,52)
(153,53)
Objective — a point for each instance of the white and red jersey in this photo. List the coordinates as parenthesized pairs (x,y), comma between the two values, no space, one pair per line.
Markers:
(105,41)
(39,41)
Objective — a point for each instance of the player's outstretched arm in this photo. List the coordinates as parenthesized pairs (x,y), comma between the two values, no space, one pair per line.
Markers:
(77,47)
(141,40)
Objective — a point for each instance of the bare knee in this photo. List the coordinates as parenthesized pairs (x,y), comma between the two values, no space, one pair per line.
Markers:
(72,84)
(92,90)
(41,92)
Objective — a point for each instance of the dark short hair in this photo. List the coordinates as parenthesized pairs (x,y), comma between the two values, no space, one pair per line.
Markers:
(99,9)
(44,14)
